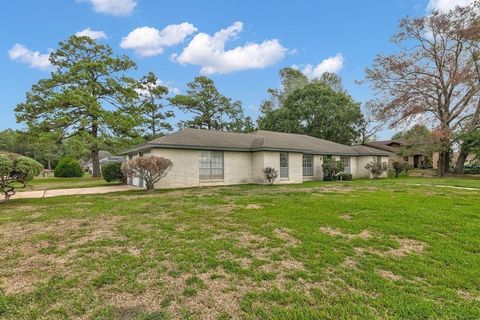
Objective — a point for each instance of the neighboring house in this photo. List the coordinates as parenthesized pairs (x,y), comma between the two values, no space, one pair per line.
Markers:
(395,147)
(204,157)
(105,157)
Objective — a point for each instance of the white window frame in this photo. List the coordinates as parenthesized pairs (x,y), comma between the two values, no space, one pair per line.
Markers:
(284,170)
(307,162)
(346,160)
(211,165)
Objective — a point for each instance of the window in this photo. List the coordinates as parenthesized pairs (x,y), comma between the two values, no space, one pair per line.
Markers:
(346,164)
(284,165)
(405,159)
(307,165)
(211,165)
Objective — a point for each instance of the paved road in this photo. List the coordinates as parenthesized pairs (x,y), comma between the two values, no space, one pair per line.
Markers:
(72,191)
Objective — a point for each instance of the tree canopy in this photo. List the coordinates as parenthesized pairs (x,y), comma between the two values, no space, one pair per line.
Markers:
(434,76)
(211,110)
(313,107)
(87,95)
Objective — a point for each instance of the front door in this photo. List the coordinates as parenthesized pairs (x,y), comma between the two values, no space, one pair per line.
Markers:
(416,161)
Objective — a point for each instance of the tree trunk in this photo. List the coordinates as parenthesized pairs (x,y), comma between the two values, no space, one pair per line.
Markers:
(49,164)
(442,163)
(95,162)
(462,156)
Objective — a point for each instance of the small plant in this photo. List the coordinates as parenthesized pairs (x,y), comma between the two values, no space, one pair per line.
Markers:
(150,169)
(271,174)
(331,169)
(398,167)
(14,170)
(112,172)
(376,168)
(68,168)
(343,176)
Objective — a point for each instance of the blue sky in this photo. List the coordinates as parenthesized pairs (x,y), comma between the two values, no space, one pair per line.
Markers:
(258,38)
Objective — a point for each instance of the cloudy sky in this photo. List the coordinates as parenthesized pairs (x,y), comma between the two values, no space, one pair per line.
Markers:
(239,44)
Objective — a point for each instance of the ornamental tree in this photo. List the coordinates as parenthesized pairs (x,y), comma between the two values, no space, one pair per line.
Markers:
(14,170)
(150,169)
(376,168)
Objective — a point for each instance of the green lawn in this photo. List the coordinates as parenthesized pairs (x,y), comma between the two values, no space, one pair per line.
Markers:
(86,181)
(383,249)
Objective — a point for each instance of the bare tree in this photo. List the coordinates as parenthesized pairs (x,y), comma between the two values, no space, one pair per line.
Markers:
(150,169)
(432,78)
(371,124)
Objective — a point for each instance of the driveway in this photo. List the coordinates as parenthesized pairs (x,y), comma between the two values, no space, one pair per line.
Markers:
(72,191)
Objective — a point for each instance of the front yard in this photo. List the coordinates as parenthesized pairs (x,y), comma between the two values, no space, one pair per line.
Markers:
(405,248)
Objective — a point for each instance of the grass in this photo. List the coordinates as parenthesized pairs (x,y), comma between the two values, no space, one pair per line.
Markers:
(405,248)
(40,183)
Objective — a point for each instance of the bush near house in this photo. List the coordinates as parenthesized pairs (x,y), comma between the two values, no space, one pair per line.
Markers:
(14,170)
(112,172)
(271,174)
(68,168)
(149,169)
(376,168)
(331,169)
(343,176)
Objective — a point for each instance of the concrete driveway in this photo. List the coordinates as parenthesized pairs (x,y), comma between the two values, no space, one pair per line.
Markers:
(72,191)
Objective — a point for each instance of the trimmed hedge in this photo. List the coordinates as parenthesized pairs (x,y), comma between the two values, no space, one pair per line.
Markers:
(343,176)
(471,169)
(112,172)
(68,168)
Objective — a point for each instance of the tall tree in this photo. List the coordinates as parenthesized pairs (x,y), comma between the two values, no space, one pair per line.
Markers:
(317,110)
(152,94)
(320,108)
(433,76)
(210,108)
(87,94)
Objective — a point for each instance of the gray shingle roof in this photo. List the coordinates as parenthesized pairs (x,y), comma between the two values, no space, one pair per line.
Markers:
(255,141)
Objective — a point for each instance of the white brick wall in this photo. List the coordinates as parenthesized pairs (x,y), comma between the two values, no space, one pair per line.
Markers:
(244,167)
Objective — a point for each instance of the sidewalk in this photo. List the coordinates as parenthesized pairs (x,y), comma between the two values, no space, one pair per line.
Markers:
(72,191)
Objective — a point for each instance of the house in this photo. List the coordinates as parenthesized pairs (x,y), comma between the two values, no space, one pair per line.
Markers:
(396,148)
(205,157)
(105,158)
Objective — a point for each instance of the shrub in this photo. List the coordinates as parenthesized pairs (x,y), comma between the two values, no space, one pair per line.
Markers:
(149,169)
(398,167)
(331,168)
(112,172)
(343,176)
(376,168)
(15,169)
(68,168)
(271,174)
(471,169)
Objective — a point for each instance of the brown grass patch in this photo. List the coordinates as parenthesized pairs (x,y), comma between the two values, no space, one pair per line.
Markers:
(284,235)
(406,247)
(388,275)
(364,234)
(253,206)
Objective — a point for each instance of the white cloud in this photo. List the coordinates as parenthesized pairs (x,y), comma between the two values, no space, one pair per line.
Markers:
(113,7)
(147,41)
(168,84)
(34,59)
(332,65)
(209,52)
(447,5)
(94,34)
